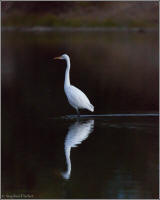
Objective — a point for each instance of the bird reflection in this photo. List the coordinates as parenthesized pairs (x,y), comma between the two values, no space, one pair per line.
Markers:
(77,132)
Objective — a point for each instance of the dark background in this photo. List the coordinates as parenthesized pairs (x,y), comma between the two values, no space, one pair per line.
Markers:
(118,70)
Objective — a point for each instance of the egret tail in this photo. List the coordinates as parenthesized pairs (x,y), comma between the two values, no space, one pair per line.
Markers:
(91,108)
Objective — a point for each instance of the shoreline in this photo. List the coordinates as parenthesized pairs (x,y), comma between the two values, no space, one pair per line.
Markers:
(77,29)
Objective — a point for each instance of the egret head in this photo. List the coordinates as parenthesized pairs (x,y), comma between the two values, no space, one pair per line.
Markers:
(62,57)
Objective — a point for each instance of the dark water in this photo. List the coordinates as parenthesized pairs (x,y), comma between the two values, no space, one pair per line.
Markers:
(46,154)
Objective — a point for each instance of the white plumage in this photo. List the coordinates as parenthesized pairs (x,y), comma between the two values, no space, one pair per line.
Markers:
(76,98)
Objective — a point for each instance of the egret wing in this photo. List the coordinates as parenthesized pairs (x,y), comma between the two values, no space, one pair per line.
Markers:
(77,98)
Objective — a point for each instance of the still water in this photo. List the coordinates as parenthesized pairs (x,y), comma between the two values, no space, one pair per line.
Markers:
(46,151)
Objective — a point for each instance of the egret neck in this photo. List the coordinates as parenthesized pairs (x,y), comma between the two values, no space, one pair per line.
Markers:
(67,78)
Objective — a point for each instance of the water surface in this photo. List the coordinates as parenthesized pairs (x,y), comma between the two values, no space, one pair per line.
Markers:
(46,151)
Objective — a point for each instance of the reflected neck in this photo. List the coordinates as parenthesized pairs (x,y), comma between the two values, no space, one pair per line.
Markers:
(66,174)
(67,78)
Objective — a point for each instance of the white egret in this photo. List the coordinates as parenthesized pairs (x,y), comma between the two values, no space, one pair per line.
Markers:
(76,98)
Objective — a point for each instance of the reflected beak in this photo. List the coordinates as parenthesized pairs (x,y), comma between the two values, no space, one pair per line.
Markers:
(57,57)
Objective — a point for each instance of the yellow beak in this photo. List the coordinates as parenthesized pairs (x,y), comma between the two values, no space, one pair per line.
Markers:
(58,57)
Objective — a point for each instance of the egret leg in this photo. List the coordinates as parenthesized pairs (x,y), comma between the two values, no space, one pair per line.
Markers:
(78,113)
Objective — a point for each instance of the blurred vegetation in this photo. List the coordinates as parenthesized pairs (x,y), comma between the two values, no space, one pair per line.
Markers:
(80,14)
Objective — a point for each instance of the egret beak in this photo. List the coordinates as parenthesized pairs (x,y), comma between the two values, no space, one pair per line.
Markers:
(57,57)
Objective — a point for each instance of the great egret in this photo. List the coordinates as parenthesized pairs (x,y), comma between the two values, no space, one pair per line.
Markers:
(76,98)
